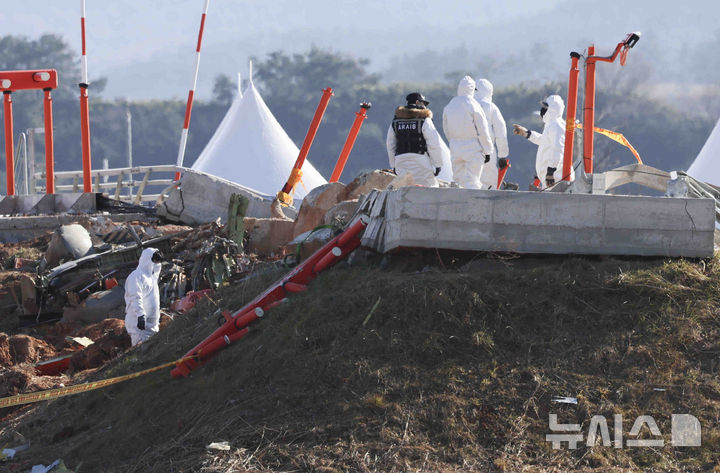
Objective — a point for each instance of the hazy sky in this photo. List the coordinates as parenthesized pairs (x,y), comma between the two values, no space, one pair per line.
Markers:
(146,48)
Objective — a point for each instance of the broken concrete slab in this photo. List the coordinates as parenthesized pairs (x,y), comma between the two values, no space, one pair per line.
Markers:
(266,236)
(341,212)
(202,198)
(316,204)
(532,222)
(365,182)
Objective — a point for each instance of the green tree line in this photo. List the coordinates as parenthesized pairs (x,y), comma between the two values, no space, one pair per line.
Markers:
(291,85)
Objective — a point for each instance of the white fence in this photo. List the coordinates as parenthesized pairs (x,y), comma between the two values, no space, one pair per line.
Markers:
(126,184)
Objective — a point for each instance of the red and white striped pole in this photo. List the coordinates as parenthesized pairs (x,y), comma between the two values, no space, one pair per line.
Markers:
(188,107)
(84,109)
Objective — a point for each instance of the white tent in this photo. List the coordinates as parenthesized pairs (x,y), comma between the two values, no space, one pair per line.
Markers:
(251,148)
(706,166)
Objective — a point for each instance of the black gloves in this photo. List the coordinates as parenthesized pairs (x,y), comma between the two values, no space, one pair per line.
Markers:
(502,163)
(550,177)
(487,158)
(437,171)
(141,322)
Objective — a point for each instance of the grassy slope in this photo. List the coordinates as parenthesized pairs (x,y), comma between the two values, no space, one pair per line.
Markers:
(454,371)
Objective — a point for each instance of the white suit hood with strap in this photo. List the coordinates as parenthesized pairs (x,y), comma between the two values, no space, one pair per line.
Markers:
(142,297)
(466,128)
(551,142)
(498,132)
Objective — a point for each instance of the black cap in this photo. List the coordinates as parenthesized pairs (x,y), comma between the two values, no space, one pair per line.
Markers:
(414,97)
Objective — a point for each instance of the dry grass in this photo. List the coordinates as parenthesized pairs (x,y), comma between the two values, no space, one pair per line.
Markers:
(454,371)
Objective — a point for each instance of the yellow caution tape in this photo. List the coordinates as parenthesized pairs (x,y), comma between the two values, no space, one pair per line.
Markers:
(77,389)
(615,136)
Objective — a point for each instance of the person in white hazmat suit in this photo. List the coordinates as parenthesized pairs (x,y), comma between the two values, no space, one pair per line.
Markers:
(142,297)
(413,142)
(467,130)
(498,134)
(551,143)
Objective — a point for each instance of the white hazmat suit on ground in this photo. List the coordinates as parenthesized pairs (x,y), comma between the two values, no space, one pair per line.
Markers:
(467,131)
(498,133)
(142,299)
(414,144)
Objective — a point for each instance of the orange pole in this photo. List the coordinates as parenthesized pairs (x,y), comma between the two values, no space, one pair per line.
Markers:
(9,144)
(589,111)
(309,137)
(85,131)
(350,142)
(49,144)
(570,120)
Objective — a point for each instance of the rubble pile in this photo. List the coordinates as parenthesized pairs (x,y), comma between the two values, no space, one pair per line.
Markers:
(62,303)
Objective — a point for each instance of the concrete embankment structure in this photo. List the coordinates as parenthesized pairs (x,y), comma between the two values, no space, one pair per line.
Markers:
(540,222)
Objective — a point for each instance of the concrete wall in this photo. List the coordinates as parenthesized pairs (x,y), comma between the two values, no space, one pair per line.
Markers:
(534,222)
(203,198)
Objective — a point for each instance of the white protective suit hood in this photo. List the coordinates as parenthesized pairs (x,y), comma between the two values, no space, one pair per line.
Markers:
(466,87)
(551,142)
(142,297)
(146,265)
(498,132)
(484,90)
(556,107)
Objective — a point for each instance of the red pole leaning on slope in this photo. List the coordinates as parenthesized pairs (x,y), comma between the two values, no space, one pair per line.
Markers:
(350,142)
(84,110)
(236,324)
(188,106)
(9,144)
(570,120)
(284,195)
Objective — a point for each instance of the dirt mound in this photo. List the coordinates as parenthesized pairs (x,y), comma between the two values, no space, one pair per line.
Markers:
(23,349)
(406,370)
(21,379)
(99,330)
(108,347)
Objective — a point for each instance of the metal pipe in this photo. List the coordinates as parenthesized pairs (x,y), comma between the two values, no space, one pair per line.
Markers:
(84,117)
(50,148)
(589,111)
(570,117)
(9,144)
(284,195)
(360,116)
(191,93)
